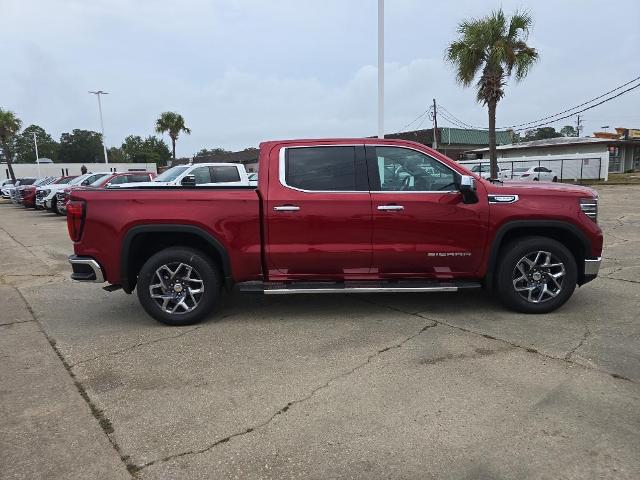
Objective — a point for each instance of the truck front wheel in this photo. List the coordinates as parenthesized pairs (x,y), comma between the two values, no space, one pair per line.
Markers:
(535,275)
(178,286)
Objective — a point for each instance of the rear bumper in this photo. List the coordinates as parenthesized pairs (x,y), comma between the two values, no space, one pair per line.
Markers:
(86,269)
(591,269)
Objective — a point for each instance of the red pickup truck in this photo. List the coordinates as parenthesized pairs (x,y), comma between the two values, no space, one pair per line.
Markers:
(338,215)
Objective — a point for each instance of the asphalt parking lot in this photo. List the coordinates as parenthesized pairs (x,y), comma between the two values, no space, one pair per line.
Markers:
(351,386)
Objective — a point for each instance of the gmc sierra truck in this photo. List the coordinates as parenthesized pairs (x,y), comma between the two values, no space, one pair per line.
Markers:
(338,216)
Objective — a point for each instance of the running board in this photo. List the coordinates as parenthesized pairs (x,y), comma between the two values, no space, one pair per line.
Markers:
(291,288)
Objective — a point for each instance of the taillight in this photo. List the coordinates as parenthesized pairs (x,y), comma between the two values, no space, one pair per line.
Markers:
(75,219)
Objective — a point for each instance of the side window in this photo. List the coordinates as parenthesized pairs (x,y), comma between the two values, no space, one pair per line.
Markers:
(321,168)
(401,169)
(137,178)
(225,174)
(202,175)
(118,180)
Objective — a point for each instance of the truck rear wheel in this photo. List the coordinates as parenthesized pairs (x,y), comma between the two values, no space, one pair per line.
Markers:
(535,275)
(178,286)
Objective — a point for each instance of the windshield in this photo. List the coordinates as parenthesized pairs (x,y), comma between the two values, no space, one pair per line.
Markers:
(77,180)
(171,174)
(480,168)
(97,182)
(25,181)
(64,180)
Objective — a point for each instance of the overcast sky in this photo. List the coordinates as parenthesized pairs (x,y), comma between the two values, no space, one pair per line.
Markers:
(245,71)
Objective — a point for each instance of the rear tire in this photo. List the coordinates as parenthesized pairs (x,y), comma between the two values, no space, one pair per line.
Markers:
(178,286)
(535,275)
(555,179)
(54,206)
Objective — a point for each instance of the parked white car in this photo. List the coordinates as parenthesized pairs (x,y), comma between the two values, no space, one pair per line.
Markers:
(534,174)
(5,185)
(199,174)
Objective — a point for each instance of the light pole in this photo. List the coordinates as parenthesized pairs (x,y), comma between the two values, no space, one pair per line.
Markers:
(35,142)
(104,145)
(380,68)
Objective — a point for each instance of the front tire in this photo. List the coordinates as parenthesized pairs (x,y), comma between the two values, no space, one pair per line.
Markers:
(178,286)
(555,179)
(535,275)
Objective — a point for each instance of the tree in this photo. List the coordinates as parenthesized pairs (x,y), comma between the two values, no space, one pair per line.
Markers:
(25,149)
(213,151)
(173,124)
(150,150)
(568,131)
(116,155)
(10,125)
(541,133)
(81,146)
(496,47)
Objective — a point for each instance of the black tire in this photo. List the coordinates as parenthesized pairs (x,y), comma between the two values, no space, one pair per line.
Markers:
(54,206)
(536,179)
(508,272)
(201,303)
(555,179)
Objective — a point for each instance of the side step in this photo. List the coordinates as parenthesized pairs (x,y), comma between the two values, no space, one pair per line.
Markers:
(289,288)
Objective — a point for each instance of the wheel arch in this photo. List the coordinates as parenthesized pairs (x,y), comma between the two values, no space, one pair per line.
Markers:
(566,233)
(142,241)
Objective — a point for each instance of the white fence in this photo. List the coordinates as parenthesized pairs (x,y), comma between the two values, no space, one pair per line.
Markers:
(565,167)
(56,169)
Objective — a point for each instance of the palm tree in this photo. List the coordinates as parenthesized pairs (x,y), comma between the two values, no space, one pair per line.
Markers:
(495,46)
(10,125)
(171,123)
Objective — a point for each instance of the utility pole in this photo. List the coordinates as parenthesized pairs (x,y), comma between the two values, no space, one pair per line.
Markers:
(435,125)
(579,127)
(104,145)
(380,68)
(35,142)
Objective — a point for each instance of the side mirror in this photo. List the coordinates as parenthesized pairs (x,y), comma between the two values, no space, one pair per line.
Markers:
(188,181)
(467,187)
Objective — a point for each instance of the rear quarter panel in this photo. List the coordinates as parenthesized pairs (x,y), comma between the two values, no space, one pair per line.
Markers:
(231,216)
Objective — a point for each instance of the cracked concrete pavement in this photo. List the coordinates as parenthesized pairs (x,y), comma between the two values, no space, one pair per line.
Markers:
(348,386)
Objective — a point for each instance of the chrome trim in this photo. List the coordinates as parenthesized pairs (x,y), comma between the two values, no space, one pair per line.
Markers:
(390,207)
(493,198)
(287,208)
(291,291)
(283,182)
(95,266)
(592,266)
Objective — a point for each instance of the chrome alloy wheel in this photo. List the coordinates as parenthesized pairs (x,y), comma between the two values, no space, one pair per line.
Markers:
(176,288)
(538,276)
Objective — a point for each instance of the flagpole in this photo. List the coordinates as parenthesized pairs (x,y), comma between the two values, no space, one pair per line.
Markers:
(380,68)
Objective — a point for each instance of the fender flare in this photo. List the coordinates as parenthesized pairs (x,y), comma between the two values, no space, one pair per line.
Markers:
(514,224)
(169,228)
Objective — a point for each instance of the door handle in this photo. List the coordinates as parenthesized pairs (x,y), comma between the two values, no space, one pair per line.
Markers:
(390,207)
(286,208)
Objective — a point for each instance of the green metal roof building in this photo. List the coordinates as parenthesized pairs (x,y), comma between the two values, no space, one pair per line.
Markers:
(453,142)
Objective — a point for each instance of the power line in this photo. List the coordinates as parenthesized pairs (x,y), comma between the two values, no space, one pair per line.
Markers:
(553,118)
(577,106)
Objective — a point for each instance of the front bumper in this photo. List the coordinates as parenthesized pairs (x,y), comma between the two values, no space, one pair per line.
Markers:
(591,269)
(86,269)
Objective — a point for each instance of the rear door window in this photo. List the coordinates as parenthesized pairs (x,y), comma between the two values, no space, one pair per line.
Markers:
(137,178)
(202,175)
(324,169)
(223,174)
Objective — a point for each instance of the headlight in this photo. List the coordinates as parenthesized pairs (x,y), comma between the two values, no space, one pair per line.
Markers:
(590,207)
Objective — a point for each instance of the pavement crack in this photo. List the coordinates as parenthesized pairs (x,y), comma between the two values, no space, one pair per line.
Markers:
(133,347)
(14,323)
(98,413)
(587,334)
(290,404)
(508,342)
(621,279)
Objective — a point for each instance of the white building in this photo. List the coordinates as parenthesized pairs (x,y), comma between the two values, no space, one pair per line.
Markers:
(573,158)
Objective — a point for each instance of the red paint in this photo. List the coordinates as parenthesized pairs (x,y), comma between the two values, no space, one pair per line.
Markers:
(333,235)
